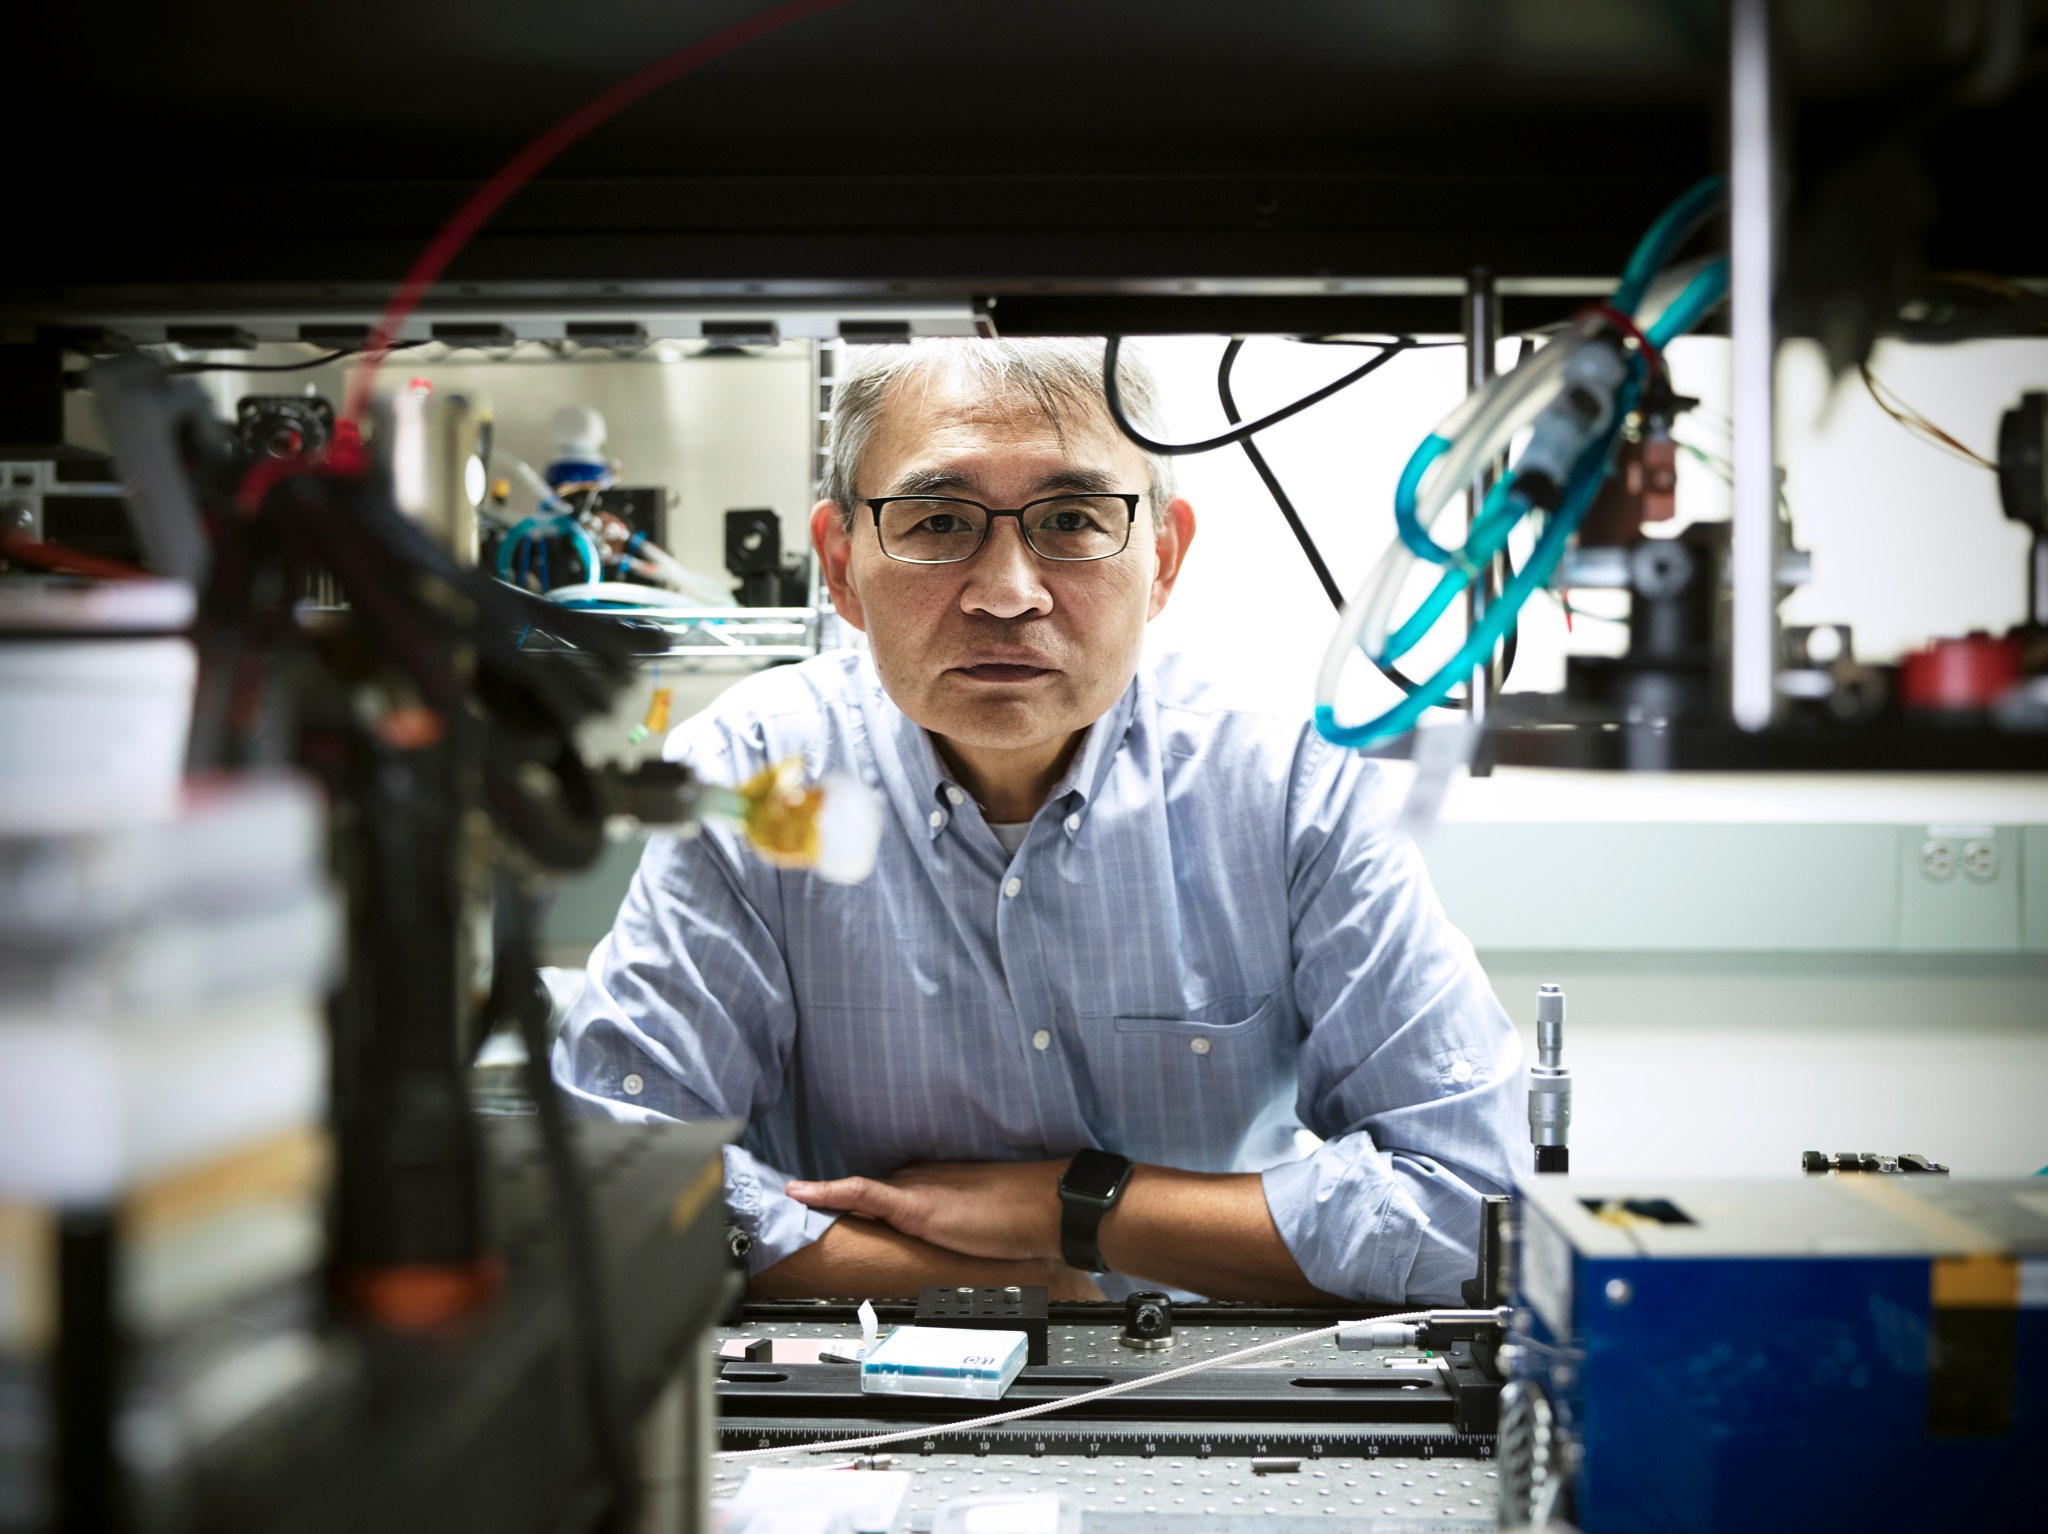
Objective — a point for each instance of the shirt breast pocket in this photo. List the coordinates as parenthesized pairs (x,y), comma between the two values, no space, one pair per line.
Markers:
(1226,1022)
(1187,1091)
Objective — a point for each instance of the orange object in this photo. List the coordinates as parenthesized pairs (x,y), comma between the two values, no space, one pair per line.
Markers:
(782,814)
(657,711)
(410,729)
(17,545)
(1982,1282)
(421,1296)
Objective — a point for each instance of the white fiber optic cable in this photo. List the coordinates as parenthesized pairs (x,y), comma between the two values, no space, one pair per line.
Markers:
(1508,403)
(880,1440)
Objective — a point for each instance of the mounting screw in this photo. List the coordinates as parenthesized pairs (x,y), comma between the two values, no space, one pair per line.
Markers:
(1619,1291)
(1980,861)
(1938,860)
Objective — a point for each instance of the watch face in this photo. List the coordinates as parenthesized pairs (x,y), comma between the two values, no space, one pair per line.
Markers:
(1095,1173)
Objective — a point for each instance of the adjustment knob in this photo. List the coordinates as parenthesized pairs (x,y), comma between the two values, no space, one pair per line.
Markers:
(1148,1320)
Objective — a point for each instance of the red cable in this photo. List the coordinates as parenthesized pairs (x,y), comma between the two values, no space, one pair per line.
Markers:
(1629,328)
(20,546)
(345,454)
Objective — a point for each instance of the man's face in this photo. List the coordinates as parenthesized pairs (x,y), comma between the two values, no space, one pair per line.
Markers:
(1004,651)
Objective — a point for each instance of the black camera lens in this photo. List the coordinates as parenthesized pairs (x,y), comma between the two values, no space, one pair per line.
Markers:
(283,425)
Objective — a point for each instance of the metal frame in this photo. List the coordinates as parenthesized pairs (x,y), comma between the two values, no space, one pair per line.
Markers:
(712,636)
(1482,334)
(1753,151)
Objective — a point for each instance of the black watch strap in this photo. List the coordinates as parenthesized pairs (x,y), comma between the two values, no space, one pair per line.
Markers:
(1093,1183)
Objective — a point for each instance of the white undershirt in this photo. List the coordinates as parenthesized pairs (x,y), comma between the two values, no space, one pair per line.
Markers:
(1011,836)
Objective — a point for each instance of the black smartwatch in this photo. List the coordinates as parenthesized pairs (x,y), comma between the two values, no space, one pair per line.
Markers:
(1093,1182)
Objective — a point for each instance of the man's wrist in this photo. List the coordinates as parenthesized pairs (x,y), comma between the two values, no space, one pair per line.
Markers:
(1116,1226)
(1090,1189)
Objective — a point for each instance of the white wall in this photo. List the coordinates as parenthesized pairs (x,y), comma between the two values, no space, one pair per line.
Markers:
(1732,1064)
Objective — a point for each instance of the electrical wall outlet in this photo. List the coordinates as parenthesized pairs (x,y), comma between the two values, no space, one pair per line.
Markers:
(1959,889)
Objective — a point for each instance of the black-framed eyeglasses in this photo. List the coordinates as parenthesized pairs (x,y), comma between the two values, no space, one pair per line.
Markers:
(943,529)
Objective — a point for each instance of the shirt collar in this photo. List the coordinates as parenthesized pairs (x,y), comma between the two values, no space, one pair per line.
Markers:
(916,780)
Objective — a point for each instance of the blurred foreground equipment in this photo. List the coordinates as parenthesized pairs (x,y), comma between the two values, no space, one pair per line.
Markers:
(164,1152)
(261,1265)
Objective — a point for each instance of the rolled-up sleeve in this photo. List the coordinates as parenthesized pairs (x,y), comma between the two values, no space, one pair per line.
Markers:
(1409,1067)
(687,1014)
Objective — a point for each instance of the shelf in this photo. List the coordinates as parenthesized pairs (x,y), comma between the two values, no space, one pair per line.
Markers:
(704,636)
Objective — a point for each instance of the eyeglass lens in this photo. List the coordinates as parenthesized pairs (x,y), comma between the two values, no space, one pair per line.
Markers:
(941,531)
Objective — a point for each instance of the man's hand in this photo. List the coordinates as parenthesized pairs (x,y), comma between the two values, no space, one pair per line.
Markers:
(863,1259)
(1004,1210)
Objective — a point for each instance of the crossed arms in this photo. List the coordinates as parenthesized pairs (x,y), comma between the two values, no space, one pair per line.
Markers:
(999,1223)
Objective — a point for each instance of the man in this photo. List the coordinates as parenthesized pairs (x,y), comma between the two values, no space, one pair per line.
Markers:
(1109,914)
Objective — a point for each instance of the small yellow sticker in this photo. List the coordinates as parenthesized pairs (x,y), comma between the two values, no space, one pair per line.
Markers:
(1982,1282)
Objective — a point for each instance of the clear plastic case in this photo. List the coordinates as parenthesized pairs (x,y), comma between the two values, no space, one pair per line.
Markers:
(943,1361)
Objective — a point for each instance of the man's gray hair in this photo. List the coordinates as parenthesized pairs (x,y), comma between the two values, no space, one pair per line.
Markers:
(1061,378)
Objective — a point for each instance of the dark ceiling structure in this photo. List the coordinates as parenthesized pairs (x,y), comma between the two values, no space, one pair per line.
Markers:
(1090,163)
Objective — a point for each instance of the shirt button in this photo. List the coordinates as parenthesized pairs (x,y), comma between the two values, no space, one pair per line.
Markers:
(955,795)
(1461,1070)
(1041,1040)
(938,818)
(1199,1046)
(631,1085)
(1012,887)
(1073,822)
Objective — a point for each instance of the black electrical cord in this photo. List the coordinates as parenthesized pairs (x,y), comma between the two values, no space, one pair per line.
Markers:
(1231,413)
(1113,345)
(1512,640)
(1413,344)
(1301,534)
(278,367)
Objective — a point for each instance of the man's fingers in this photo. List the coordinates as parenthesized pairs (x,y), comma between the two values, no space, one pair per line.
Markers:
(853,1195)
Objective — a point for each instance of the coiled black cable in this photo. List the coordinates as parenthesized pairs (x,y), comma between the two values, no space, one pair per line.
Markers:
(1242,434)
(1281,499)
(1113,347)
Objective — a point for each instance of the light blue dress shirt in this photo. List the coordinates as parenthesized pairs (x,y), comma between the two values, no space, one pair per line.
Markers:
(1210,937)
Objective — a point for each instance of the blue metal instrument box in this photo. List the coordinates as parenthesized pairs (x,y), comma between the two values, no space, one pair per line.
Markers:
(1823,1353)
